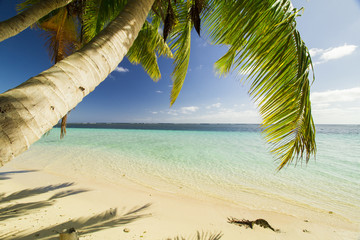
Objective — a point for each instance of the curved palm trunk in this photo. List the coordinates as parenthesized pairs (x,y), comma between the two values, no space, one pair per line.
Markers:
(34,107)
(25,19)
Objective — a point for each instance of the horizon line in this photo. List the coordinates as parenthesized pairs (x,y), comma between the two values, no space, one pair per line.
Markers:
(194,123)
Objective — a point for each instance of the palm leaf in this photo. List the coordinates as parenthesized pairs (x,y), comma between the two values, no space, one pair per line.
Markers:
(170,20)
(99,13)
(160,9)
(195,12)
(269,48)
(61,32)
(26,4)
(148,45)
(180,43)
(63,126)
(189,14)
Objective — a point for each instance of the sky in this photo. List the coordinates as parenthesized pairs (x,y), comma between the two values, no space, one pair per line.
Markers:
(330,29)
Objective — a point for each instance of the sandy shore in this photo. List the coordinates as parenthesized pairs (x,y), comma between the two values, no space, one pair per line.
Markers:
(38,205)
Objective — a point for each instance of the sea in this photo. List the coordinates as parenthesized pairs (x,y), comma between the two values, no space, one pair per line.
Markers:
(231,162)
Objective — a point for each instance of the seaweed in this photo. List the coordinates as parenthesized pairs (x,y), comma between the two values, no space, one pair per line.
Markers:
(250,224)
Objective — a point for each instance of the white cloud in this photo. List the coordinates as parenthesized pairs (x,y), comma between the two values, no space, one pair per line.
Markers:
(187,110)
(199,67)
(316,51)
(324,55)
(159,91)
(227,115)
(202,42)
(213,113)
(339,52)
(183,110)
(336,96)
(215,105)
(173,112)
(337,115)
(339,106)
(336,106)
(223,115)
(121,69)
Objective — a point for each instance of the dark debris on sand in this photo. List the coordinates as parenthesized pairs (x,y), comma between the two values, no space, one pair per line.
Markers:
(250,224)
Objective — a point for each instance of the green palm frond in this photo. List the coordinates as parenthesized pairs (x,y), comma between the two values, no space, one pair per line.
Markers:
(264,42)
(26,4)
(99,13)
(225,63)
(160,9)
(148,45)
(188,15)
(201,236)
(180,43)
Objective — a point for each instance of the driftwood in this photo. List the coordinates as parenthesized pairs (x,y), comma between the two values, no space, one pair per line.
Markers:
(250,224)
(69,234)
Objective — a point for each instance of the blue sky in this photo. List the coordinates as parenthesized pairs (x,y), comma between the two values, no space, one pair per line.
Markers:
(330,28)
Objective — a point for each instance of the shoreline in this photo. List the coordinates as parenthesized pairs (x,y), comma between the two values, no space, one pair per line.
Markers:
(89,206)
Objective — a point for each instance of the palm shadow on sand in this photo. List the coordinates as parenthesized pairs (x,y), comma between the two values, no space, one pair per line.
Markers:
(12,210)
(5,175)
(84,225)
(19,204)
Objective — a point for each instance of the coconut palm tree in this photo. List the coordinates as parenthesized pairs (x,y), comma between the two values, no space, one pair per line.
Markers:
(65,32)
(25,19)
(261,37)
(62,36)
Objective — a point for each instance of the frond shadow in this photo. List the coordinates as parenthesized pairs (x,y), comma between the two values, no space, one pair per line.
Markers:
(32,192)
(84,225)
(22,209)
(4,175)
(200,236)
(67,193)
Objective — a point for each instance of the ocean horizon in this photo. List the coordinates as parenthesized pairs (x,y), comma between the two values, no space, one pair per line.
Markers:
(230,162)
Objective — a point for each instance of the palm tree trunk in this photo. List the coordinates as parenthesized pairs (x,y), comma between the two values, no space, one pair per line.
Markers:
(25,19)
(34,107)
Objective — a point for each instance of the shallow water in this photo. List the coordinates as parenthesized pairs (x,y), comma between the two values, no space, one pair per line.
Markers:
(223,161)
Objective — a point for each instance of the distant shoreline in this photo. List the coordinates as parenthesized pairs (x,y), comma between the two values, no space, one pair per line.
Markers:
(169,126)
(157,123)
(227,127)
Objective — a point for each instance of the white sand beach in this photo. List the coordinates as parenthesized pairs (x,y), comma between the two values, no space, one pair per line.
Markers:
(38,205)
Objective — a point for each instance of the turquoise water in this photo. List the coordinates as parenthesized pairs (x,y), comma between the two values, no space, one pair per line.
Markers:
(227,162)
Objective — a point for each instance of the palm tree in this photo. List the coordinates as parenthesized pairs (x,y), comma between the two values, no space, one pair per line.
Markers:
(261,37)
(25,19)
(62,35)
(65,32)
